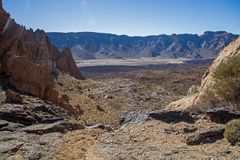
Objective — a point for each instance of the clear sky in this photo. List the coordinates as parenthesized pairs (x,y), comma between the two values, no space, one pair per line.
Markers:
(131,17)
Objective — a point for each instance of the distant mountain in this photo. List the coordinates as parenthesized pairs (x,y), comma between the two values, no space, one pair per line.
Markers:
(89,45)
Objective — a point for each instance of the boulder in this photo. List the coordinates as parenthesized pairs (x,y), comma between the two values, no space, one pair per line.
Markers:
(206,136)
(165,115)
(173,116)
(134,118)
(222,115)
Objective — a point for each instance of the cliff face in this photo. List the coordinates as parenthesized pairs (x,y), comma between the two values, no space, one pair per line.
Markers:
(29,61)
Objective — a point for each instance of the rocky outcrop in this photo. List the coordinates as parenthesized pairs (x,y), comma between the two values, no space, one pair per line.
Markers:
(34,113)
(222,115)
(61,126)
(31,78)
(173,116)
(29,61)
(208,80)
(32,129)
(206,136)
(165,115)
(66,64)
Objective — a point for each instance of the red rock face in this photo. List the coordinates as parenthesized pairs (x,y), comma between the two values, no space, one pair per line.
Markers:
(66,64)
(34,79)
(28,60)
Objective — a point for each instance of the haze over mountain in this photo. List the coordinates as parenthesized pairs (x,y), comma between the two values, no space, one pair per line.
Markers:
(90,45)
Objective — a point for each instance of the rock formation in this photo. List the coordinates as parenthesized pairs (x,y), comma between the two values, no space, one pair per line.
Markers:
(28,60)
(208,80)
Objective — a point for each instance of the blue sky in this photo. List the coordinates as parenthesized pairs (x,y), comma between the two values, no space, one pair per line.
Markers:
(131,17)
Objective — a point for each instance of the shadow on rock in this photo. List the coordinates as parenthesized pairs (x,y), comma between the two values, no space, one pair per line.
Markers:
(173,116)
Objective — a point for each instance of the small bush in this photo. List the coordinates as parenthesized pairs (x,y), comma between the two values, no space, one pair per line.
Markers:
(227,78)
(232,132)
(76,124)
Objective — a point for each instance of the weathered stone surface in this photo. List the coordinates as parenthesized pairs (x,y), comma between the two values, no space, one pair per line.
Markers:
(13,97)
(16,114)
(66,64)
(20,145)
(61,127)
(189,129)
(193,90)
(3,124)
(9,126)
(173,116)
(166,115)
(10,146)
(222,115)
(29,61)
(26,76)
(206,136)
(45,128)
(29,114)
(134,117)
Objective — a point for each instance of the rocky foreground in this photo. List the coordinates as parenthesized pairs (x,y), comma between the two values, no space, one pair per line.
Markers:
(33,129)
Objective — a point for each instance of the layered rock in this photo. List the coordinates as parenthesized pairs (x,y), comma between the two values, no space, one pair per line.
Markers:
(208,80)
(29,61)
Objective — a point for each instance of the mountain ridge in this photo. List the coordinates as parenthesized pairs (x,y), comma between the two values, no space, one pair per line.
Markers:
(93,45)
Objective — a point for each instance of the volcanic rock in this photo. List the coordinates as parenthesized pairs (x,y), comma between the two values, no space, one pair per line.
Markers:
(222,115)
(29,114)
(173,116)
(206,136)
(28,60)
(13,97)
(61,127)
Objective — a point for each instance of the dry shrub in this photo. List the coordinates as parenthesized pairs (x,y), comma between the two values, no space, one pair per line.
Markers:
(227,78)
(232,132)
